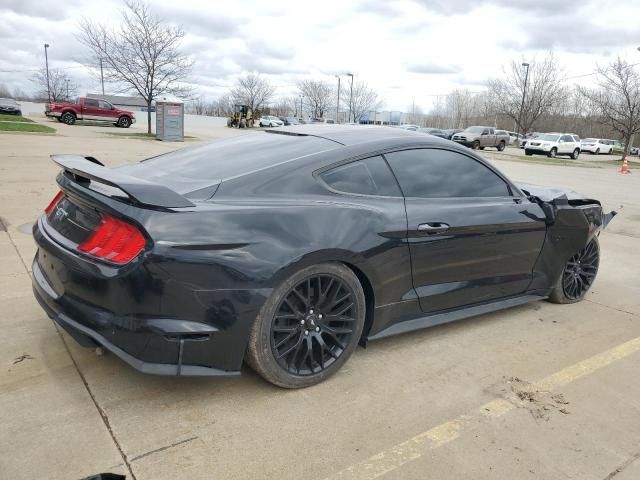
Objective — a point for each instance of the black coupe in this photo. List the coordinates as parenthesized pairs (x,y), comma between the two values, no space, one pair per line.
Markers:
(287,248)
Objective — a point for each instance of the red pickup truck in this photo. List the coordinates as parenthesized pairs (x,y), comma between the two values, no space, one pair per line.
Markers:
(92,109)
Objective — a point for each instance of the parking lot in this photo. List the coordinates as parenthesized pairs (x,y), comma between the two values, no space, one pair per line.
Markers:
(538,391)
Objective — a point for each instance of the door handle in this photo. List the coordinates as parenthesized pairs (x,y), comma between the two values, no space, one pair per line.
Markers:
(433,227)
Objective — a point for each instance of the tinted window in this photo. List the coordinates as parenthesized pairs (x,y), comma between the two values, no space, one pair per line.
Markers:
(202,165)
(90,103)
(105,105)
(434,173)
(367,177)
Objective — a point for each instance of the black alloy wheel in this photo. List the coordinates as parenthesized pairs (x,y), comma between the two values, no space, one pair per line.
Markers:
(578,275)
(309,326)
(313,325)
(580,272)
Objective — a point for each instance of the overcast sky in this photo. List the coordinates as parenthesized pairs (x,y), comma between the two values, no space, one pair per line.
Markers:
(409,50)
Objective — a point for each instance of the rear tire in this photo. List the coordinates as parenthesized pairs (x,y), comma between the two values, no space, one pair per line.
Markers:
(578,275)
(68,118)
(303,334)
(501,146)
(597,152)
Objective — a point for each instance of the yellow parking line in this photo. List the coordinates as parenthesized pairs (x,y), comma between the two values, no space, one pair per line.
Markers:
(412,449)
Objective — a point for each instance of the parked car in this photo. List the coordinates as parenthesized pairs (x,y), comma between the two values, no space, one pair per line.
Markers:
(270,121)
(9,106)
(89,109)
(554,144)
(529,136)
(595,145)
(616,146)
(634,151)
(289,120)
(413,128)
(481,137)
(504,133)
(436,132)
(184,266)
(516,138)
(451,132)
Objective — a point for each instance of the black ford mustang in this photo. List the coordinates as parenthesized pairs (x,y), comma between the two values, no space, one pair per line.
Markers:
(288,248)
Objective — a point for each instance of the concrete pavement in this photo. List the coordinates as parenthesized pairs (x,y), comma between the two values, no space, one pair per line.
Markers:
(472,399)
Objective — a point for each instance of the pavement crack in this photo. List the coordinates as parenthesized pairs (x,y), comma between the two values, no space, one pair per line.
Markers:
(612,308)
(623,466)
(161,449)
(103,414)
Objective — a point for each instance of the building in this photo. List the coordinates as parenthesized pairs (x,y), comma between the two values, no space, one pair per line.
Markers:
(122,101)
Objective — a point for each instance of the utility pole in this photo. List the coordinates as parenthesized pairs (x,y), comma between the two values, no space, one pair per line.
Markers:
(524,93)
(350,95)
(301,97)
(338,101)
(46,60)
(101,76)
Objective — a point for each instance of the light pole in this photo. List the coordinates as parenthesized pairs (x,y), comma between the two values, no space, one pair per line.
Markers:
(301,97)
(524,93)
(350,94)
(46,61)
(338,101)
(101,76)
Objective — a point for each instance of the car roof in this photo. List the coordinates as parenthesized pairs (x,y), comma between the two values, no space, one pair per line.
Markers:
(347,134)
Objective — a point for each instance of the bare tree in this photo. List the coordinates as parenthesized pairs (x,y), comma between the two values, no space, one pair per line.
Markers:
(252,90)
(62,88)
(142,54)
(319,96)
(4,91)
(542,91)
(616,99)
(363,100)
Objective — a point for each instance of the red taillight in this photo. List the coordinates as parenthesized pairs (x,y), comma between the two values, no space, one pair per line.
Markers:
(53,203)
(114,240)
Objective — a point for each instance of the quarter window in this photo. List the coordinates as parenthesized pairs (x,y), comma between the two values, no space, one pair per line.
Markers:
(436,173)
(365,177)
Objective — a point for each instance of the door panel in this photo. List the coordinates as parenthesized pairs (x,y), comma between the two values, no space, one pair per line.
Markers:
(487,251)
(470,240)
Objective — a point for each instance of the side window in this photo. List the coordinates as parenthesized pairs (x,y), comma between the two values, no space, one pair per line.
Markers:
(567,138)
(435,173)
(366,177)
(105,105)
(485,131)
(90,103)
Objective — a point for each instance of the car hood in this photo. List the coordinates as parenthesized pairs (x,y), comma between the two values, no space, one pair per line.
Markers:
(9,104)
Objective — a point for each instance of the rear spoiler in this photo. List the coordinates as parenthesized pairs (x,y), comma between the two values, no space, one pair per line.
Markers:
(142,191)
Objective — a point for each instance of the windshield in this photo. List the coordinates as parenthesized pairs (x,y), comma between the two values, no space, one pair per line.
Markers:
(475,129)
(549,138)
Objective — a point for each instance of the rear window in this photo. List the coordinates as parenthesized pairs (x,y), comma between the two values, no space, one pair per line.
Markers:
(192,168)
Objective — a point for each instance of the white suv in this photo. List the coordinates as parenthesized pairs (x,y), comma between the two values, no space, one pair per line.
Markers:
(595,145)
(553,144)
(270,121)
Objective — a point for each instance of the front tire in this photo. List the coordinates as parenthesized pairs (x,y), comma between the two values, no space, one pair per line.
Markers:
(552,153)
(309,326)
(575,154)
(124,122)
(597,152)
(501,146)
(578,275)
(476,145)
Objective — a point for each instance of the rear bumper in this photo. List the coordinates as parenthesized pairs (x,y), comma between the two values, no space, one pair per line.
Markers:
(52,114)
(164,328)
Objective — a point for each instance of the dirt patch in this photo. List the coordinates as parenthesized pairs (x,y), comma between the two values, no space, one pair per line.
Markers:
(540,403)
